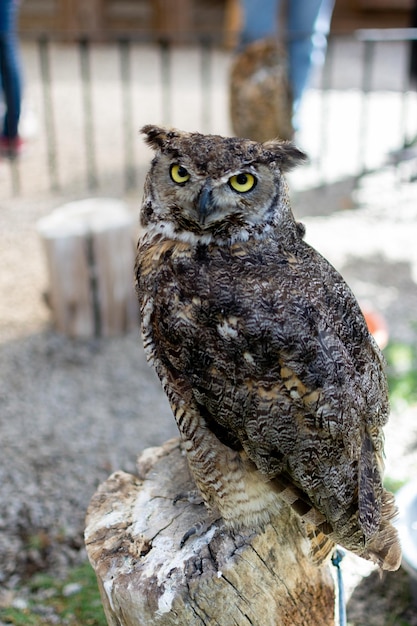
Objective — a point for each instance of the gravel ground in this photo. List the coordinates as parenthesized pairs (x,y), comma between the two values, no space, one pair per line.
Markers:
(71,412)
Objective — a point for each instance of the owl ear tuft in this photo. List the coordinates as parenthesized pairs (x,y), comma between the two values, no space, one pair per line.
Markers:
(157,136)
(285,153)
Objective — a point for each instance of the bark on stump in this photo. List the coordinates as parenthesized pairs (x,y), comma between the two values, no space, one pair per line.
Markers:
(90,253)
(133,536)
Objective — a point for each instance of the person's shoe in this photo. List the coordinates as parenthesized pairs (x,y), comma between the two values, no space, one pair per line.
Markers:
(11,147)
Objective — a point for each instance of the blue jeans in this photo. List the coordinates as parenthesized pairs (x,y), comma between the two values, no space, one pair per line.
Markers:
(10,67)
(308,24)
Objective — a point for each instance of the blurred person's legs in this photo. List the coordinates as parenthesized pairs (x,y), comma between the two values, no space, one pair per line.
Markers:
(259,19)
(308,24)
(10,74)
(308,27)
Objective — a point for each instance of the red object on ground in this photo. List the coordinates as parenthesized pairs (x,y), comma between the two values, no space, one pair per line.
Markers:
(377,326)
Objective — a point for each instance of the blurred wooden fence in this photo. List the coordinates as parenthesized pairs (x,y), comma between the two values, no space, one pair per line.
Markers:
(86,100)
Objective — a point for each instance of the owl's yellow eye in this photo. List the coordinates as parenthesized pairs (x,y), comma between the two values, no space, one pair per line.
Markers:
(179,174)
(242,182)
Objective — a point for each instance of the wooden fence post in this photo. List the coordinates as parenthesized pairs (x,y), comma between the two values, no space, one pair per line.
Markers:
(133,540)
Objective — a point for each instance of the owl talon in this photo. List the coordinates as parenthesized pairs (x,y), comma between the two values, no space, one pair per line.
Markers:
(194,530)
(193,497)
(198,530)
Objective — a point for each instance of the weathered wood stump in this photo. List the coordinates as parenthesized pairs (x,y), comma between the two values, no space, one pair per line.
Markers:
(90,253)
(259,93)
(133,540)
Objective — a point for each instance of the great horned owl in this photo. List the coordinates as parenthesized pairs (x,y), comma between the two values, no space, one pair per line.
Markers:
(276,385)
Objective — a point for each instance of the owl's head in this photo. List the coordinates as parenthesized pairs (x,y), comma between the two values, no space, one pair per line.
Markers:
(200,186)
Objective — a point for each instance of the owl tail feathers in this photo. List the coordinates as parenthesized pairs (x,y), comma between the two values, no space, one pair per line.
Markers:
(384,548)
(381,547)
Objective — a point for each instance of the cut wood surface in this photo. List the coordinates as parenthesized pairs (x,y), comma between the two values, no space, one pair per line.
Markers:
(133,538)
(90,253)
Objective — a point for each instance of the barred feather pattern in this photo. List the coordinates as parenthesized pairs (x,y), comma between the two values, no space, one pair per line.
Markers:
(276,385)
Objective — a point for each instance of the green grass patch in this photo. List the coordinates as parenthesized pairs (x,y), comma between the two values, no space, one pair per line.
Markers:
(75,601)
(402,373)
(394,484)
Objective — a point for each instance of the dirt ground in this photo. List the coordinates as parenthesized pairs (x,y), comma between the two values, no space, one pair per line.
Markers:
(73,411)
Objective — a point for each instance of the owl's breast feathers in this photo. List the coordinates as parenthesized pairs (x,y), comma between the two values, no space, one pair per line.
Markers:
(273,352)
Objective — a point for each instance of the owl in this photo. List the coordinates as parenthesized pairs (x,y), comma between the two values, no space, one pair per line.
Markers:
(276,385)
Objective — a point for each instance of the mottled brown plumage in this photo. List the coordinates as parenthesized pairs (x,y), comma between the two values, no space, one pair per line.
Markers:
(276,385)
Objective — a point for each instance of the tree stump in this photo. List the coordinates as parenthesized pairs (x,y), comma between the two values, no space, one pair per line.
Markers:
(90,254)
(259,93)
(133,539)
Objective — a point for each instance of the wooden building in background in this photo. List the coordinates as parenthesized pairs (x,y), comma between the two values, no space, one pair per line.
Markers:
(182,20)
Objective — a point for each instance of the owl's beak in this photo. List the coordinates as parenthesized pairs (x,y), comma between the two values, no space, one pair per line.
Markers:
(204,203)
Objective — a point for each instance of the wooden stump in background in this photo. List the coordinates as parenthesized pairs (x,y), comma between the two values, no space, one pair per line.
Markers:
(259,93)
(90,253)
(133,540)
